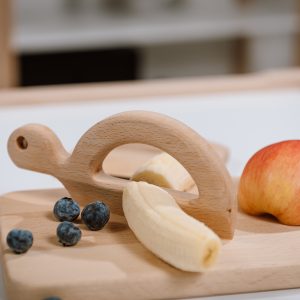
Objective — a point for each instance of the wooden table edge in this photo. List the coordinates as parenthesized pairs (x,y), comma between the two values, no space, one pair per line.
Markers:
(280,79)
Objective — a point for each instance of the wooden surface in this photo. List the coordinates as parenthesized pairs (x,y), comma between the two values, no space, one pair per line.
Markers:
(289,78)
(112,264)
(36,147)
(8,70)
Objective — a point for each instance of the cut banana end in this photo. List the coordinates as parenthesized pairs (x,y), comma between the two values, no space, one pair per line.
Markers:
(163,228)
(165,171)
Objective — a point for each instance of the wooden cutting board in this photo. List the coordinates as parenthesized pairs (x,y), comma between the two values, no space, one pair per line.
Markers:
(112,264)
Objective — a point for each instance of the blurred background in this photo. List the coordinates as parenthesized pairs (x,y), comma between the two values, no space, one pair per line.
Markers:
(44,42)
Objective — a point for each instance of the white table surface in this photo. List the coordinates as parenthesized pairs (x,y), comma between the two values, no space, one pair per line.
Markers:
(244,122)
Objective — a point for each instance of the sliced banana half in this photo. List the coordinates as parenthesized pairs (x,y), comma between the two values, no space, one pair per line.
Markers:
(162,227)
(165,171)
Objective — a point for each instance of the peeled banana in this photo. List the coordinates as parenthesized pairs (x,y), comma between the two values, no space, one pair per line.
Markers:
(163,228)
(165,171)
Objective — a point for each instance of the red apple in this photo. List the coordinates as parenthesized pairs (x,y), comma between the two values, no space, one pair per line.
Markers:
(270,182)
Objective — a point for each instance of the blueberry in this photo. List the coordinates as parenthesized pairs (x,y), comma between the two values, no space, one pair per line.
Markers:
(19,240)
(68,234)
(95,215)
(66,209)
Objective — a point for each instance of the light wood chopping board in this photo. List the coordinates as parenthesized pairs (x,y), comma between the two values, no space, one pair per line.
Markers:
(112,264)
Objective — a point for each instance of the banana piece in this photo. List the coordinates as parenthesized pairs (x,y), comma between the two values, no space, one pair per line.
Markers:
(162,227)
(165,171)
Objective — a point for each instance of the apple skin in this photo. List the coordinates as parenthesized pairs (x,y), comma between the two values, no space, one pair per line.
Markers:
(270,182)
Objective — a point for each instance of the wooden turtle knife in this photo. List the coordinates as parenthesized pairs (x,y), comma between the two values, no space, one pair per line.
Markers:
(37,148)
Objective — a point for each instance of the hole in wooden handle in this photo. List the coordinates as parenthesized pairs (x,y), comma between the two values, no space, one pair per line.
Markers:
(22,142)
